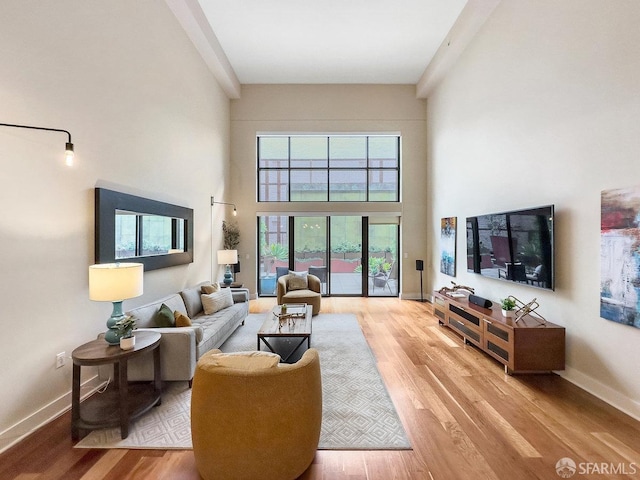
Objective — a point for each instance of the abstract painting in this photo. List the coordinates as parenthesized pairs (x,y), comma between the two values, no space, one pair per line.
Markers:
(620,256)
(448,245)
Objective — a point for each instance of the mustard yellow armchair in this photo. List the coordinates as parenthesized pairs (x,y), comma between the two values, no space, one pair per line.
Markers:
(252,417)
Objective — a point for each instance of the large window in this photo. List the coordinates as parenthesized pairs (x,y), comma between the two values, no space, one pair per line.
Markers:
(334,168)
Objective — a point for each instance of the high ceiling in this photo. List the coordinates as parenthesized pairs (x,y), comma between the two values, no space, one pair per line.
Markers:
(330,41)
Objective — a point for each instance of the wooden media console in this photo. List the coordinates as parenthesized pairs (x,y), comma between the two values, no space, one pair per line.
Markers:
(529,345)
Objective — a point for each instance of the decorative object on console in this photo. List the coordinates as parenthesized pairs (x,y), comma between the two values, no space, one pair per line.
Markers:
(520,309)
(508,306)
(619,264)
(68,154)
(115,282)
(448,245)
(530,310)
(455,288)
(227,257)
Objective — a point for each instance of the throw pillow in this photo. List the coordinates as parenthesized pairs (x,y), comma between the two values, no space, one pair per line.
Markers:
(297,280)
(241,360)
(164,317)
(214,287)
(181,319)
(216,301)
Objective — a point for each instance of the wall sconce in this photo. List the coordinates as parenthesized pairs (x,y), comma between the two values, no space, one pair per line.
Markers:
(68,154)
(235,212)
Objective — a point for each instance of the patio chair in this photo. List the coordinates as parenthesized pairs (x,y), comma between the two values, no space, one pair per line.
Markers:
(381,279)
(321,273)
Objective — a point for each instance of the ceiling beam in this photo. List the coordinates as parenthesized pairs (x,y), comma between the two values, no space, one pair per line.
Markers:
(195,23)
(473,16)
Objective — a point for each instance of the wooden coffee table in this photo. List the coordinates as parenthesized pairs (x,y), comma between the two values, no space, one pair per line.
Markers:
(296,324)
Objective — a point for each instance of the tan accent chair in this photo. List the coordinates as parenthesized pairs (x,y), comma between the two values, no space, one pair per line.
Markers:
(252,417)
(310,296)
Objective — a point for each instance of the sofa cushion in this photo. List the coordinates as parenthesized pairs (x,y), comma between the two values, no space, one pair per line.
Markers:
(214,302)
(214,287)
(146,314)
(240,360)
(297,280)
(181,319)
(191,297)
(164,317)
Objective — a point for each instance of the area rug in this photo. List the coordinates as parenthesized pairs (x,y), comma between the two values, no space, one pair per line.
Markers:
(357,412)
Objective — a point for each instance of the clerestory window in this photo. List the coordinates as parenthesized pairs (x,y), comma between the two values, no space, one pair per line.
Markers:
(328,168)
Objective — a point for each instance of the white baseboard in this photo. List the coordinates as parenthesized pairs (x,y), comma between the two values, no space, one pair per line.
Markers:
(46,414)
(414,296)
(605,393)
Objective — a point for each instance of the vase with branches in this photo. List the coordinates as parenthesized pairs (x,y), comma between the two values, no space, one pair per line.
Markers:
(231,235)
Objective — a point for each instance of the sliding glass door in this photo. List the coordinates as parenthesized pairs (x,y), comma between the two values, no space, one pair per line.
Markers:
(273,242)
(346,255)
(383,264)
(310,247)
(333,249)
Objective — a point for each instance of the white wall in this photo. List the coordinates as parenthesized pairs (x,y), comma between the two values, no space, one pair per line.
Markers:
(331,108)
(542,108)
(147,117)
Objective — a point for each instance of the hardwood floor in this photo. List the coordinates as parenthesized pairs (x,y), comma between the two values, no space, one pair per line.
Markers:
(465,418)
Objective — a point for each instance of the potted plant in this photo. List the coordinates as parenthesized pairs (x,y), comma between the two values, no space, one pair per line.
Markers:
(231,235)
(508,307)
(125,328)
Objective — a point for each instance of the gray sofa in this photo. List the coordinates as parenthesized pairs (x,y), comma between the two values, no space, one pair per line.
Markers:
(181,347)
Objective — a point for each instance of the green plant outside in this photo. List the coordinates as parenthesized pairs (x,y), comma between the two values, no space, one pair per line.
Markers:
(376,265)
(279,251)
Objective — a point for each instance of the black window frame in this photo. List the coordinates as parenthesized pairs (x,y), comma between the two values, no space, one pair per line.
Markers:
(368,169)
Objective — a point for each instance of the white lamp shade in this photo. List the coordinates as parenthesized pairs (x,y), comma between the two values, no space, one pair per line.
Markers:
(114,282)
(227,257)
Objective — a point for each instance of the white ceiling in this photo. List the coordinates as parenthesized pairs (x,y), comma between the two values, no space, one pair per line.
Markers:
(330,41)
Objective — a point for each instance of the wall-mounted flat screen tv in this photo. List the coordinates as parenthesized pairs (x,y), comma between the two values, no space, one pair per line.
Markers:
(515,246)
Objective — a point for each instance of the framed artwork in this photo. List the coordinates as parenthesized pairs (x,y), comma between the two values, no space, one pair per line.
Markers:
(448,245)
(620,256)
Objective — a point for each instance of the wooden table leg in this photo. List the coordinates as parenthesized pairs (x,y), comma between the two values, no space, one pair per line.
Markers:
(75,403)
(123,387)
(157,374)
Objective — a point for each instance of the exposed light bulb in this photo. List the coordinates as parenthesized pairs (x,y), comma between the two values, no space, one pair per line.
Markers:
(68,154)
(235,212)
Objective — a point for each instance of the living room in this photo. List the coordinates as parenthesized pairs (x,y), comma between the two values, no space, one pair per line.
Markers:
(539,109)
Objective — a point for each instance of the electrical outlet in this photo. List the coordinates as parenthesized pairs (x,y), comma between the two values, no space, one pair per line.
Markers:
(60,360)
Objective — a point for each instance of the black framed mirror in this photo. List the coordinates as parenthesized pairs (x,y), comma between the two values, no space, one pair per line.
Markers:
(131,228)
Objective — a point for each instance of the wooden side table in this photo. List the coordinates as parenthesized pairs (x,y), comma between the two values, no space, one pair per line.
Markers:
(121,402)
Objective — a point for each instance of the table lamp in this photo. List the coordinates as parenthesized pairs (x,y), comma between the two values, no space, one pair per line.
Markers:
(227,257)
(115,282)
